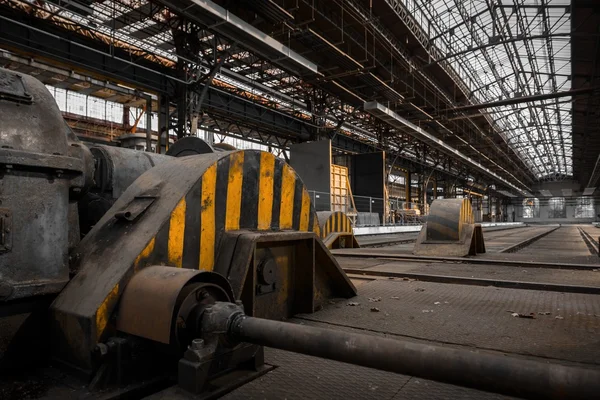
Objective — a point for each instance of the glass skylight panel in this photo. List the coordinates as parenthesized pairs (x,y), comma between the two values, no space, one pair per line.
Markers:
(466,30)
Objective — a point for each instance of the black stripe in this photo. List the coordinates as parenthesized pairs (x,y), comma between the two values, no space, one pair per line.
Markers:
(249,208)
(191,234)
(161,245)
(311,220)
(276,194)
(221,199)
(297,204)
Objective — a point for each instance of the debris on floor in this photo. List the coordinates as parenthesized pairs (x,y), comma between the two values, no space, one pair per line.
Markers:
(374,309)
(419,289)
(353,304)
(519,315)
(395,298)
(544,313)
(374,299)
(426,311)
(559,317)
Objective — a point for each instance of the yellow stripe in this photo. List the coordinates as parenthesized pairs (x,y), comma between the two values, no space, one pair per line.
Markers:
(102,313)
(144,254)
(316,227)
(328,227)
(304,211)
(234,191)
(265,190)
(339,222)
(207,219)
(288,185)
(176,230)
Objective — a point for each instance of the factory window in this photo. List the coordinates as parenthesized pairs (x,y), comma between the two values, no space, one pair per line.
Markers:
(76,103)
(96,108)
(584,207)
(531,208)
(114,112)
(557,207)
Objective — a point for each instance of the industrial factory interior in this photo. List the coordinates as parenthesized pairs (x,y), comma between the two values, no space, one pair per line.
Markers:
(299,199)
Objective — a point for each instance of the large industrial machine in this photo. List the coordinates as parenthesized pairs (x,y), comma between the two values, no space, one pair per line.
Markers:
(140,275)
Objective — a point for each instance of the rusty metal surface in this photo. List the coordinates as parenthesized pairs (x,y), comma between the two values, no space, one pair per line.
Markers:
(119,167)
(196,200)
(449,230)
(446,219)
(302,273)
(43,168)
(148,304)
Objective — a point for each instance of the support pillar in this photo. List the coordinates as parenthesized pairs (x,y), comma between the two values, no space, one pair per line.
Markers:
(407,189)
(148,124)
(163,122)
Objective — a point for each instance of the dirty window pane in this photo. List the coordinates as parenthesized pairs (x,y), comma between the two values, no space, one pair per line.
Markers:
(584,207)
(531,208)
(557,207)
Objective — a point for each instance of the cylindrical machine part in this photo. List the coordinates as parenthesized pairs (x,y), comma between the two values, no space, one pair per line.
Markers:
(43,168)
(500,374)
(115,169)
(189,146)
(446,219)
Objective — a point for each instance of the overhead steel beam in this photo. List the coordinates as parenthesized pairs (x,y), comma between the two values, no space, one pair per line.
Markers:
(522,99)
(497,43)
(220,20)
(385,114)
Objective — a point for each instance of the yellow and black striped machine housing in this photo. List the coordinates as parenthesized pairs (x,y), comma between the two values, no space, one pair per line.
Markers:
(450,230)
(176,215)
(336,230)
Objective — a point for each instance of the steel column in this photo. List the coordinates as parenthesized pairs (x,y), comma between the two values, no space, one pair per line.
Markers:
(148,124)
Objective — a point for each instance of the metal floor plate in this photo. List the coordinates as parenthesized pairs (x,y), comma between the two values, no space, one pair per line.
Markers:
(304,377)
(476,317)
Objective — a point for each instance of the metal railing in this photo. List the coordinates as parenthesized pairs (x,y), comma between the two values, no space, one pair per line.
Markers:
(371,211)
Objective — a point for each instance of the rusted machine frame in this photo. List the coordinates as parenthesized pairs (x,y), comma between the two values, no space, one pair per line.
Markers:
(238,261)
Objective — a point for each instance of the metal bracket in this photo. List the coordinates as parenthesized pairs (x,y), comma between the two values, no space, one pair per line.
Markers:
(5,230)
(134,209)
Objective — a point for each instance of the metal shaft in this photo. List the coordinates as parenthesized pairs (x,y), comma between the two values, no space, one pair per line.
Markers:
(500,374)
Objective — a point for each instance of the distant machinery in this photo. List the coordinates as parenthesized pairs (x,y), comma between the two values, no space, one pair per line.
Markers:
(337,230)
(450,230)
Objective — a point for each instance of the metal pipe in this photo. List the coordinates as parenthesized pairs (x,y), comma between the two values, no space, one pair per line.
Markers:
(494,373)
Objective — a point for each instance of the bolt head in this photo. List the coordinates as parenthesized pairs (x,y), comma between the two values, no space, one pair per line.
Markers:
(208,309)
(197,344)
